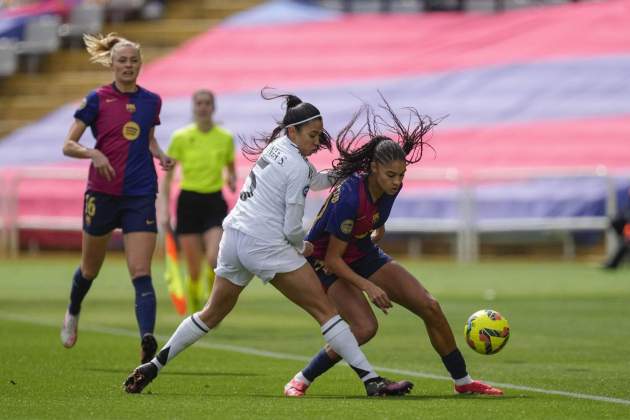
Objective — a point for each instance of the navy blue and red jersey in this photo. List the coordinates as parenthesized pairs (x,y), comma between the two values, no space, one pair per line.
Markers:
(120,123)
(351,215)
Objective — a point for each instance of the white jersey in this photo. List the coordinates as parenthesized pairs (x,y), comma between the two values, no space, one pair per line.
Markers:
(280,177)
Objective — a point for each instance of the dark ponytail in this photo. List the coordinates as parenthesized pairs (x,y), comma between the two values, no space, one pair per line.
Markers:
(408,146)
(297,114)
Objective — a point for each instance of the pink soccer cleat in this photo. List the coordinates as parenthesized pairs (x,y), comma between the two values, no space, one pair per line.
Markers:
(295,388)
(477,387)
(69,330)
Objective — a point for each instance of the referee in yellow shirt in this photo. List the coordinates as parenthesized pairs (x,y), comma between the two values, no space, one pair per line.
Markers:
(205,153)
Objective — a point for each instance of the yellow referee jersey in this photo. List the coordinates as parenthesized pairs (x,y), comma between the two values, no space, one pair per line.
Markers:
(202,156)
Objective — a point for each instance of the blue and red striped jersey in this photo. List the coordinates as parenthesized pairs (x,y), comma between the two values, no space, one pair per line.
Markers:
(120,123)
(350,214)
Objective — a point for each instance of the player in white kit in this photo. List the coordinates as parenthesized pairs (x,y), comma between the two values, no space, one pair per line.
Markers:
(263,236)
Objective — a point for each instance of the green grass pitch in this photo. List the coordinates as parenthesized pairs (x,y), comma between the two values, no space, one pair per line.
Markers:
(570,328)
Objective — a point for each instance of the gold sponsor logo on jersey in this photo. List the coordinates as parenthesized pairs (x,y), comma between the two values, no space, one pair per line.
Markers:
(82,105)
(346,226)
(131,108)
(131,131)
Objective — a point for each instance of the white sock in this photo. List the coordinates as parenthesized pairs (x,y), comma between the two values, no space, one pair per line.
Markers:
(189,331)
(338,335)
(463,381)
(300,377)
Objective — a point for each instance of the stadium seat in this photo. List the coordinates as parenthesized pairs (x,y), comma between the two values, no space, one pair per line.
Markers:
(119,10)
(8,57)
(86,18)
(40,37)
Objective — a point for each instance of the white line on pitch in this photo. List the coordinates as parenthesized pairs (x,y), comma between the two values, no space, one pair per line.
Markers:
(285,356)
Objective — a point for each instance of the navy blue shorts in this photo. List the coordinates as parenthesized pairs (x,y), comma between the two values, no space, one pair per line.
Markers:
(364,266)
(103,213)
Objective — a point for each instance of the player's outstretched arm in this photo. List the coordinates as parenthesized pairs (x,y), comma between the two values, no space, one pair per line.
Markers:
(321,181)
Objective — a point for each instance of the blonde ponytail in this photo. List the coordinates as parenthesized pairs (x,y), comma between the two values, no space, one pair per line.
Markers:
(101,48)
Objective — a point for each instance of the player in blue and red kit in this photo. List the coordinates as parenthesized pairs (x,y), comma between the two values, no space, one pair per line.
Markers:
(347,260)
(122,182)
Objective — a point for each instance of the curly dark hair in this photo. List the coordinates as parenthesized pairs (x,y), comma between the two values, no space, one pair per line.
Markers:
(408,146)
(296,111)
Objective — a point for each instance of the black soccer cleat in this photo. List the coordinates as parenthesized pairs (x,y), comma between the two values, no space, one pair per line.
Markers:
(381,387)
(140,378)
(148,347)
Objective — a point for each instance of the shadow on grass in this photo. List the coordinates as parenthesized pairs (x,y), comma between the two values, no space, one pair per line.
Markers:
(389,399)
(403,398)
(177,373)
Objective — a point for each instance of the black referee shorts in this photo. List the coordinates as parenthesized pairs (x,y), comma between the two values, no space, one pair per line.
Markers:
(198,212)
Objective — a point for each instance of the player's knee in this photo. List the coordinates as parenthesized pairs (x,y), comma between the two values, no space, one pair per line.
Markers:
(433,310)
(365,332)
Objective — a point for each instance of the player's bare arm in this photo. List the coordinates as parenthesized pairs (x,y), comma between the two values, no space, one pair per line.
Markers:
(166,163)
(231,176)
(335,263)
(72,148)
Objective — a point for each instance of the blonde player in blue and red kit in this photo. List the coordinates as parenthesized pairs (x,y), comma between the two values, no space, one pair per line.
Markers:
(122,182)
(348,261)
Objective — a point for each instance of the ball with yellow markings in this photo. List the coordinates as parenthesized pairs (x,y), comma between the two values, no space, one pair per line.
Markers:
(487,331)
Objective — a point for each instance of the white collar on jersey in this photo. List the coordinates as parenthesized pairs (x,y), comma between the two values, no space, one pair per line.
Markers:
(287,140)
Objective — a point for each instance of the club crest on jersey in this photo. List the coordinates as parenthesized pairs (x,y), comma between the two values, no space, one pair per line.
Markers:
(305,190)
(131,108)
(346,226)
(131,131)
(376,218)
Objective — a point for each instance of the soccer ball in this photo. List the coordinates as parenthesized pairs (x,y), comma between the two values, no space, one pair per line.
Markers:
(486,331)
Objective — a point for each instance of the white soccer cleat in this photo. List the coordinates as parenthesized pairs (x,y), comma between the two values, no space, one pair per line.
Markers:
(69,330)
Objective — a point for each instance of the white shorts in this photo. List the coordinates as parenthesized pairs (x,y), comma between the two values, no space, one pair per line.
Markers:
(241,257)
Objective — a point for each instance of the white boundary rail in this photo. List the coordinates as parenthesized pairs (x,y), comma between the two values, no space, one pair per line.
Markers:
(466,227)
(560,224)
